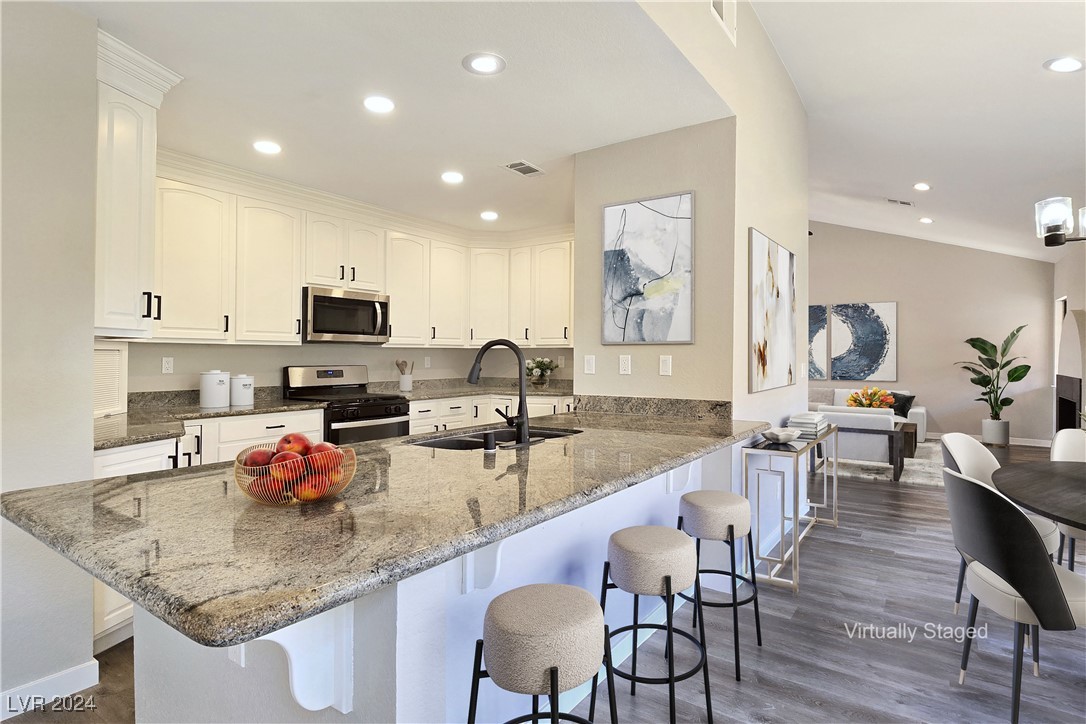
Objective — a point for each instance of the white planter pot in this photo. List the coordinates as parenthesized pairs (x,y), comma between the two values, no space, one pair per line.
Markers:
(995,432)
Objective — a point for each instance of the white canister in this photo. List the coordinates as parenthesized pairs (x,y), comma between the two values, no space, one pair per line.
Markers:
(241,390)
(215,389)
(405,383)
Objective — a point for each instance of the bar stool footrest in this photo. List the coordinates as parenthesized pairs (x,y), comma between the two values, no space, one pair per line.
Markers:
(723,604)
(660,680)
(545,716)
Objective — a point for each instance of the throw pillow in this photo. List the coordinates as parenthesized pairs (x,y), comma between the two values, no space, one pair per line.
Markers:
(902,404)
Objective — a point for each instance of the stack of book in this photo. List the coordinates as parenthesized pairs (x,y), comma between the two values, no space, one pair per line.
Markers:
(812,424)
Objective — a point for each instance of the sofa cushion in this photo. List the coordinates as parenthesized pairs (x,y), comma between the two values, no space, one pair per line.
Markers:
(902,403)
(820,395)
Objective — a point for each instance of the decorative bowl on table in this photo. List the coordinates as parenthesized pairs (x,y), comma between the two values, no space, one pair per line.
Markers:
(272,475)
(782,434)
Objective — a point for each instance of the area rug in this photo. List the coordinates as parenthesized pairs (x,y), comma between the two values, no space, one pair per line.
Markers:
(926,468)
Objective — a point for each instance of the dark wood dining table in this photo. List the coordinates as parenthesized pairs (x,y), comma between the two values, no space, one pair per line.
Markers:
(1056,490)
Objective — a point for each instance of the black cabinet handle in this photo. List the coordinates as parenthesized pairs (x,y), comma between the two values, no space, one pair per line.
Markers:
(476,413)
(458,407)
(471,333)
(147,314)
(433,332)
(158,307)
(444,426)
(565,332)
(424,411)
(198,444)
(172,459)
(299,326)
(273,427)
(342,272)
(226,323)
(525,333)
(352,274)
(188,461)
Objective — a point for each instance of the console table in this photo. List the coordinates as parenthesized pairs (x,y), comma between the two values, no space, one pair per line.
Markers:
(824,512)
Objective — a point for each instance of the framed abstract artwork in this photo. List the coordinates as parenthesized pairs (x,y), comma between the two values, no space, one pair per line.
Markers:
(818,342)
(863,338)
(648,270)
(772,314)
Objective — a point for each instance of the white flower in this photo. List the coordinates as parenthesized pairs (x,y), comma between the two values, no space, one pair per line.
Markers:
(547,360)
(537,373)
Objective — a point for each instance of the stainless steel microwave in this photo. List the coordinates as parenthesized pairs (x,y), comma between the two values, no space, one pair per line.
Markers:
(338,315)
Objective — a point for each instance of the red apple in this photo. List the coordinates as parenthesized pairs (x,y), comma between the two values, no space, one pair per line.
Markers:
(294,442)
(287,466)
(258,458)
(312,487)
(324,457)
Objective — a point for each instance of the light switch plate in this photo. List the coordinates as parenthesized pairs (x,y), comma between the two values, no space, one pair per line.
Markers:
(625,366)
(590,364)
(167,365)
(426,362)
(665,365)
(561,360)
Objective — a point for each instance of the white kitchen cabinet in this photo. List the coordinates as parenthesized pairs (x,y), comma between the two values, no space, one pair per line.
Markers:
(539,406)
(343,253)
(269,272)
(190,446)
(455,413)
(225,437)
(448,294)
(194,262)
(489,295)
(551,295)
(365,257)
(124,261)
(520,295)
(424,416)
(566,404)
(407,278)
(112,614)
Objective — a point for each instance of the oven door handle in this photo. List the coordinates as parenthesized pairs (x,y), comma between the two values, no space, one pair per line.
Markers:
(370,423)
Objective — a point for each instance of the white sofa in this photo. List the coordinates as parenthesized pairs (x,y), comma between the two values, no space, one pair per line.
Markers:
(838,397)
(867,434)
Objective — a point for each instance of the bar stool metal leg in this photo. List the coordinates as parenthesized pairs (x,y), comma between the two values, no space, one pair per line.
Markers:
(535,705)
(633,665)
(475,674)
(610,675)
(735,598)
(669,602)
(754,585)
(554,695)
(697,547)
(704,646)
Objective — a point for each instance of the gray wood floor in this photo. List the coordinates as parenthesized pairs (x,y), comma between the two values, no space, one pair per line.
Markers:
(890,562)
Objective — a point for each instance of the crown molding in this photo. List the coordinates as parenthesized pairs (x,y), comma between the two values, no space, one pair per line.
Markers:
(132,72)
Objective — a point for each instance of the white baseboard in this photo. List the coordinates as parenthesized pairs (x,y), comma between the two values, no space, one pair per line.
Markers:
(112,637)
(42,692)
(1029,442)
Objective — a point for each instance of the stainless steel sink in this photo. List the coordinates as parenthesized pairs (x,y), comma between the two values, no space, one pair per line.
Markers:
(505,439)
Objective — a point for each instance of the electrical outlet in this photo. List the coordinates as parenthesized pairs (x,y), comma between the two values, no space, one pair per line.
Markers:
(665,365)
(561,360)
(167,365)
(426,362)
(625,367)
(590,364)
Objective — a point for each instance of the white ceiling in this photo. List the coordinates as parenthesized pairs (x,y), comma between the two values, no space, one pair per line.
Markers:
(579,76)
(951,93)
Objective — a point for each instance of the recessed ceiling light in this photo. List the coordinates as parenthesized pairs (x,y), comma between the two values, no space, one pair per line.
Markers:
(922,186)
(483,63)
(489,216)
(1063,65)
(452,177)
(378,104)
(925,220)
(267,147)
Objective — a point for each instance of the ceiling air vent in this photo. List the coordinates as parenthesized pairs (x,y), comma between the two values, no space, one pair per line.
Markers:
(523,168)
(899,202)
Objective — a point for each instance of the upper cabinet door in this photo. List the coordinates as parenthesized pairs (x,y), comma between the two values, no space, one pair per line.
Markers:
(269,278)
(325,239)
(551,268)
(194,262)
(520,295)
(408,282)
(365,257)
(489,295)
(125,227)
(448,294)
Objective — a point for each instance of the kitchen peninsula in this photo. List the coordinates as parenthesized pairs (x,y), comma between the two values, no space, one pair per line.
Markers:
(376,596)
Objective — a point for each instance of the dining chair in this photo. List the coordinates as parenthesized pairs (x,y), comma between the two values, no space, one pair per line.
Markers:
(1069,446)
(1010,571)
(968,456)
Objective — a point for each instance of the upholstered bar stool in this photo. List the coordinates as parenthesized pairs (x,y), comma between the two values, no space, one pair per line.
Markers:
(654,560)
(723,516)
(540,640)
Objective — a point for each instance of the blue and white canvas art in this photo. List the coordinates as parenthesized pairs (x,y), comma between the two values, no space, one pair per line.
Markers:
(772,314)
(863,338)
(647,271)
(818,342)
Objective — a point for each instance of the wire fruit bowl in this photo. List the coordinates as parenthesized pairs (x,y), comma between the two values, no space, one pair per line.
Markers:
(307,479)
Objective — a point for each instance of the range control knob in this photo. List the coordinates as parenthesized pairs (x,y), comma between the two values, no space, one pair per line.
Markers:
(398,409)
(388,409)
(352,414)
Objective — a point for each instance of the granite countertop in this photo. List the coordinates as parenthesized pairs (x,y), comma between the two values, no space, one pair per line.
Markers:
(223,569)
(141,425)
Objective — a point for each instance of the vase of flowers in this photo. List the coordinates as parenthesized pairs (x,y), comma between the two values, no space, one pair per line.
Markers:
(539,371)
(870,397)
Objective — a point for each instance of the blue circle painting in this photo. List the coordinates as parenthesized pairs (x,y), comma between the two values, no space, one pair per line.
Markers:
(870,342)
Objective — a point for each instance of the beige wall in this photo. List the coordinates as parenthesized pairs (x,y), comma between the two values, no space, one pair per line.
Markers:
(266,363)
(700,159)
(946,294)
(49,137)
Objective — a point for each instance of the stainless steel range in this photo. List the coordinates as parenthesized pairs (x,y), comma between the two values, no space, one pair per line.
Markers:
(353,413)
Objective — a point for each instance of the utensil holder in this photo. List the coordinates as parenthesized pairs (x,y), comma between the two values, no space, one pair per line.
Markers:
(405,383)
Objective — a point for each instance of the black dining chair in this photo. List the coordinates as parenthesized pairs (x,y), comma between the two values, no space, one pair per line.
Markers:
(1010,571)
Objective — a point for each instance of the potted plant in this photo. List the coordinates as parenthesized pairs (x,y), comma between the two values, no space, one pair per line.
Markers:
(993,374)
(539,370)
